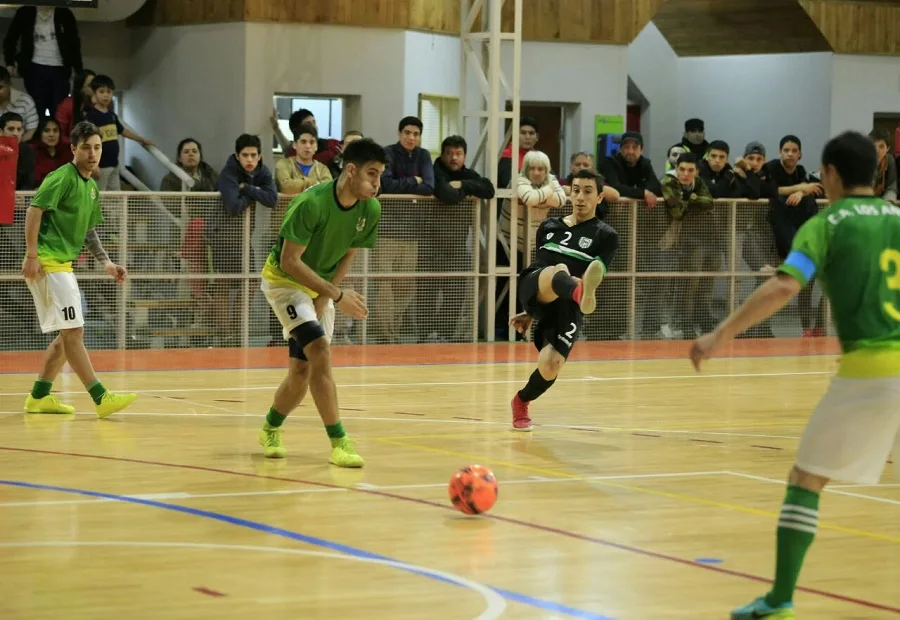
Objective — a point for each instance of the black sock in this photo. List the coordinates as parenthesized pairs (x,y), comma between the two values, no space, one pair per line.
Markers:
(536,386)
(564,285)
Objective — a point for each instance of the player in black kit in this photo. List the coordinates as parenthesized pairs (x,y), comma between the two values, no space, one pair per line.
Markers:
(558,288)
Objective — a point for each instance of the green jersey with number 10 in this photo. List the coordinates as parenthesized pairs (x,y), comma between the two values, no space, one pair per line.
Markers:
(853,248)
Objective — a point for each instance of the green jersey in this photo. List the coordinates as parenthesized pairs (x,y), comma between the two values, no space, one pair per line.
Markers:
(316,220)
(71,206)
(853,248)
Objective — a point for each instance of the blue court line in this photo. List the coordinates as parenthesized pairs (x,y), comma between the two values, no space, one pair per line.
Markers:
(311,540)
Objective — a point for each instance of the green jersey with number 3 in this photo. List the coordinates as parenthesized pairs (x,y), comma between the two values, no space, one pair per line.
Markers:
(853,248)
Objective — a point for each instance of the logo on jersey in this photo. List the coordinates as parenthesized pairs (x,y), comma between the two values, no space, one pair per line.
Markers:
(360,224)
(584,242)
(93,194)
(549,236)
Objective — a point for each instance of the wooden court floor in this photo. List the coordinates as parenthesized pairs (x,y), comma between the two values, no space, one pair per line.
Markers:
(646,491)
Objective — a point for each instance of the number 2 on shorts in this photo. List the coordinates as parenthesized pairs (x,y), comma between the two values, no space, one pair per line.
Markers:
(572,331)
(891,258)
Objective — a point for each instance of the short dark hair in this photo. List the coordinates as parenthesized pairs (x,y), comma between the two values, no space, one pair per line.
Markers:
(718,145)
(790,138)
(588,173)
(528,121)
(455,142)
(361,152)
(7,117)
(880,134)
(188,141)
(101,81)
(686,158)
(5,77)
(305,128)
(410,120)
(853,156)
(83,131)
(246,141)
(298,117)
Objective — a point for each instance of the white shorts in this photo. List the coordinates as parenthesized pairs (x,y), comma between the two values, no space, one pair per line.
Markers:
(294,307)
(57,299)
(853,431)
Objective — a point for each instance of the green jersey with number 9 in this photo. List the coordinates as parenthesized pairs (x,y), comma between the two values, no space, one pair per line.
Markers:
(853,248)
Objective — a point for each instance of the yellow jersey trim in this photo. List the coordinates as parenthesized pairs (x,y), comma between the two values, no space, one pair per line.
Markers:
(51,266)
(870,364)
(273,274)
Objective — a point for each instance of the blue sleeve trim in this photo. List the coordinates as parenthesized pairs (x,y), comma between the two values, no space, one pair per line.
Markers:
(803,263)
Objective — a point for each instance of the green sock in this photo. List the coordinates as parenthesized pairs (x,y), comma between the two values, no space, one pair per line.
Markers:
(796,531)
(274,419)
(41,388)
(96,390)
(335,431)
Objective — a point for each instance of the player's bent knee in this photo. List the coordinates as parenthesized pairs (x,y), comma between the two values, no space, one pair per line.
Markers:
(550,363)
(298,370)
(71,335)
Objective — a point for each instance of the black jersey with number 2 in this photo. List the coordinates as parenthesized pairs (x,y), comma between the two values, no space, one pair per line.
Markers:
(574,246)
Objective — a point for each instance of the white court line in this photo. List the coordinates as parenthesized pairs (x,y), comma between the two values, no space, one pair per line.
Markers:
(362,485)
(459,383)
(880,500)
(495,603)
(574,427)
(862,486)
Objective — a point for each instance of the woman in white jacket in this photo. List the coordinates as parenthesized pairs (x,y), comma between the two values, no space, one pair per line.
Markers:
(537,191)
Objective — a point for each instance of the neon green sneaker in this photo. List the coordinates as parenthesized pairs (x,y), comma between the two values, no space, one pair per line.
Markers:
(47,404)
(760,609)
(343,454)
(270,440)
(111,403)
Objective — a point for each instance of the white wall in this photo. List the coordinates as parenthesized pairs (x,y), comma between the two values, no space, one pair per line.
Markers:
(862,86)
(181,89)
(760,97)
(431,65)
(654,68)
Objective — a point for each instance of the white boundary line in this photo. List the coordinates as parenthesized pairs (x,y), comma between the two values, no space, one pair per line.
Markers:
(832,490)
(394,487)
(496,604)
(586,379)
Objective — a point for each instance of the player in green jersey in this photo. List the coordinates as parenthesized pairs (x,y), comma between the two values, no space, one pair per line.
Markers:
(319,236)
(853,247)
(62,219)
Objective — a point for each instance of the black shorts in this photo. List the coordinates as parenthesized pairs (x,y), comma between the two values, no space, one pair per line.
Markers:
(558,324)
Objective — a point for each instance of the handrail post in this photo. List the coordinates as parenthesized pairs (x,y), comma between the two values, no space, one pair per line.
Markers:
(632,267)
(732,266)
(122,306)
(245,281)
(476,267)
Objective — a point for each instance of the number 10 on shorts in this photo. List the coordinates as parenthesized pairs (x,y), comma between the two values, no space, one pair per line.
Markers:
(69,313)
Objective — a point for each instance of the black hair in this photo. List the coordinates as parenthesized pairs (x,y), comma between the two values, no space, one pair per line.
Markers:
(246,141)
(880,134)
(455,142)
(718,145)
(79,100)
(528,121)
(42,125)
(361,152)
(102,81)
(790,138)
(588,173)
(853,156)
(686,158)
(83,131)
(5,77)
(410,120)
(305,128)
(298,117)
(188,141)
(7,117)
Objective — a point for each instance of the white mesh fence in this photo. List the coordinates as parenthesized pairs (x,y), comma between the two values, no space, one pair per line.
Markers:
(194,275)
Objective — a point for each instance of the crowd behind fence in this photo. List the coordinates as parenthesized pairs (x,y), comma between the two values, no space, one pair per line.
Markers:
(426,281)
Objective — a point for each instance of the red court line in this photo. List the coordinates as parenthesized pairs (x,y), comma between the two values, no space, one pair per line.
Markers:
(511,520)
(416,354)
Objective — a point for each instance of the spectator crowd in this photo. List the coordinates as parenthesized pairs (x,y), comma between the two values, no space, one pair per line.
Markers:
(42,46)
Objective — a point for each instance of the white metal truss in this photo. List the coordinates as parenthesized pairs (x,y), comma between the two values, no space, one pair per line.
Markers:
(481,46)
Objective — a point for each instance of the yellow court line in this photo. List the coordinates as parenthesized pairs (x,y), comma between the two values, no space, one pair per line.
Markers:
(628,487)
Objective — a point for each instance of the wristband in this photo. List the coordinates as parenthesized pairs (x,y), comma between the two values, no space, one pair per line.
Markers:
(340,297)
(35,256)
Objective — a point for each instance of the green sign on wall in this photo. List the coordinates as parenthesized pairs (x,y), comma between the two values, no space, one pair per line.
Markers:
(606,124)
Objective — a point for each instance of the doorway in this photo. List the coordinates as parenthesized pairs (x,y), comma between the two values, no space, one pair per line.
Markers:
(550,118)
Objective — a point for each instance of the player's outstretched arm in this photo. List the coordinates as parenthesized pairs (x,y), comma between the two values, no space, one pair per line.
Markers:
(350,302)
(93,245)
(768,299)
(521,322)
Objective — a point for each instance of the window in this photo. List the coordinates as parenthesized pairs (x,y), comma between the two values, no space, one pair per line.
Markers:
(329,113)
(440,118)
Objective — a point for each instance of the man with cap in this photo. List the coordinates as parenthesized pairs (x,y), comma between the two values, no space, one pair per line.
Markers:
(695,137)
(753,163)
(629,172)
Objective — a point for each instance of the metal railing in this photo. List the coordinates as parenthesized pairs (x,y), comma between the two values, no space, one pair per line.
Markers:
(194,274)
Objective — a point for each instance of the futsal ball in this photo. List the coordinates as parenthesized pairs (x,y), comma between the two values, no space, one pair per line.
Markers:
(473,489)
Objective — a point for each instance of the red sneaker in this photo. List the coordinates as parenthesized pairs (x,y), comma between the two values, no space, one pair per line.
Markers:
(521,421)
